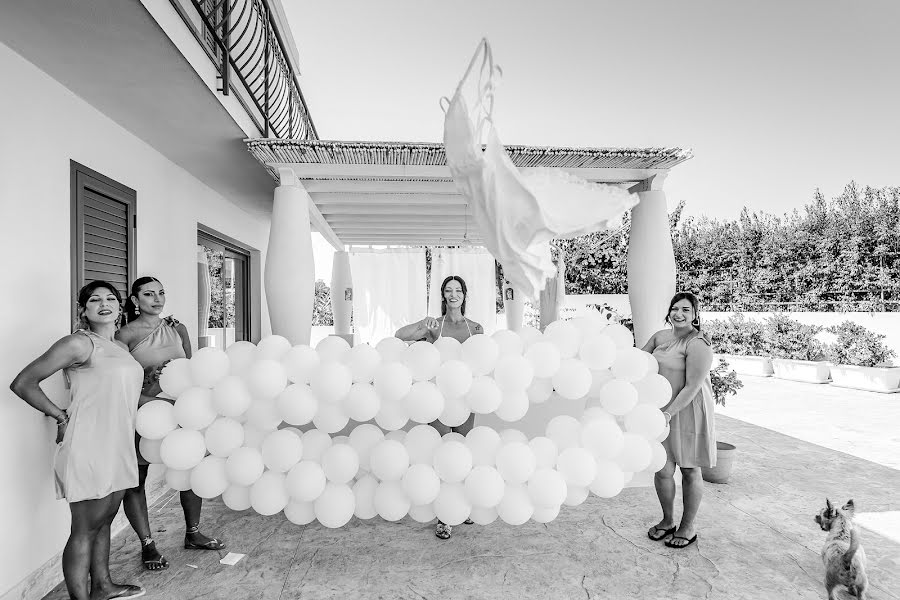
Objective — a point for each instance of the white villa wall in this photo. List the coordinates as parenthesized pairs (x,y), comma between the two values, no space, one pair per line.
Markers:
(44,126)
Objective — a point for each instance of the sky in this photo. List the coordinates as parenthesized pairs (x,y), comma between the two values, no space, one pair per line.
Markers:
(774,97)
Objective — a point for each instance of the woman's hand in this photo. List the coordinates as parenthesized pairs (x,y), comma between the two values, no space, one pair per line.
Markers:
(430,323)
(61,430)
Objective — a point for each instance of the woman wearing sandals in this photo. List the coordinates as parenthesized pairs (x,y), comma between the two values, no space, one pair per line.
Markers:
(95,459)
(453,323)
(684,355)
(154,341)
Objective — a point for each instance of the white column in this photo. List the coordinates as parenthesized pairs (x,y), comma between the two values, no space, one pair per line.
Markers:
(290,269)
(651,261)
(554,292)
(341,293)
(203,300)
(513,306)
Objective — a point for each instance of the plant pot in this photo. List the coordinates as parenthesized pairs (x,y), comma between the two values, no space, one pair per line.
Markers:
(808,371)
(724,464)
(873,379)
(758,366)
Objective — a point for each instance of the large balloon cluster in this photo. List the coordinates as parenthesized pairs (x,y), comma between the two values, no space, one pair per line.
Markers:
(233,427)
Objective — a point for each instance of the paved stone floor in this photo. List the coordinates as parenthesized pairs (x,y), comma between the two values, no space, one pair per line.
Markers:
(758,540)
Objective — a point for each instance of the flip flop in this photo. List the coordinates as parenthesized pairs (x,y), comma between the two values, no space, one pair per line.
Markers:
(212,544)
(665,533)
(153,564)
(678,537)
(130,591)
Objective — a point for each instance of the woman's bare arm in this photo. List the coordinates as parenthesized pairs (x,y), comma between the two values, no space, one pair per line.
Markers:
(698,361)
(68,351)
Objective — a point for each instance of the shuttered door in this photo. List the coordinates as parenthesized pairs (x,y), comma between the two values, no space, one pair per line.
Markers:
(104,230)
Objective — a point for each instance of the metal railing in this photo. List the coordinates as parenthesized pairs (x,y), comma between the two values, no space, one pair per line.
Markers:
(242,40)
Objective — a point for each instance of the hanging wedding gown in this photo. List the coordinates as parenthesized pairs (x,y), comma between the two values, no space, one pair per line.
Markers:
(518,215)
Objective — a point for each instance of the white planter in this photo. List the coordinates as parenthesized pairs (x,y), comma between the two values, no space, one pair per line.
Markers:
(873,379)
(758,366)
(809,371)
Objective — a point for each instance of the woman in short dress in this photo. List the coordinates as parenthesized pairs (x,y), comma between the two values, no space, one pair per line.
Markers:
(684,354)
(452,323)
(95,459)
(153,341)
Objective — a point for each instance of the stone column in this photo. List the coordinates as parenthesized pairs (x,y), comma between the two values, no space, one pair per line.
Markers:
(513,306)
(651,260)
(554,292)
(290,269)
(342,294)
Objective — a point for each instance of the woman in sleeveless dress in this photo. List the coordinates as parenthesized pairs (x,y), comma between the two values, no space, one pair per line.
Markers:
(452,323)
(95,459)
(685,356)
(154,341)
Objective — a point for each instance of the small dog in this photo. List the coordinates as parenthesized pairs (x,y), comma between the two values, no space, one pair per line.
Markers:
(844,558)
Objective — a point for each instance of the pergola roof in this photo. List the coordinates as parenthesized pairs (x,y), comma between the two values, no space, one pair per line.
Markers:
(399,193)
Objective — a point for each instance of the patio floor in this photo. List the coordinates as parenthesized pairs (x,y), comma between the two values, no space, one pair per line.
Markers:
(758,540)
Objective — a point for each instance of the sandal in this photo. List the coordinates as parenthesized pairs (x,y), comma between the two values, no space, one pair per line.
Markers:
(678,537)
(653,533)
(129,591)
(152,559)
(468,522)
(212,544)
(443,531)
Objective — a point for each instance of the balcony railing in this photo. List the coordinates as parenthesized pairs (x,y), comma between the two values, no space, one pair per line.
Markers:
(241,38)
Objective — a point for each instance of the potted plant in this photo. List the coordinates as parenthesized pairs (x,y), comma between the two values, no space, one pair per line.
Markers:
(861,359)
(742,343)
(796,352)
(724,383)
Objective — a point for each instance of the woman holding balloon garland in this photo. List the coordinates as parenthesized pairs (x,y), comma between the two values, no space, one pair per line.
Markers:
(153,341)
(95,459)
(685,356)
(452,323)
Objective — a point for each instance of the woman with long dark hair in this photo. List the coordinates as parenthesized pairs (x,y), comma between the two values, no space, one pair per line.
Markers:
(684,354)
(95,459)
(153,341)
(452,323)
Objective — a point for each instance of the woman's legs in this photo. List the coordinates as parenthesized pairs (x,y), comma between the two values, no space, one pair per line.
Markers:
(664,482)
(135,504)
(102,586)
(692,493)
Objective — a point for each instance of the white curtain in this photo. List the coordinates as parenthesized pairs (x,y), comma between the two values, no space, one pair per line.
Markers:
(388,290)
(476,267)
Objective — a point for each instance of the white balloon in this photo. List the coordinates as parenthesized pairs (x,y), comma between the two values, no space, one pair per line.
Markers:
(176,377)
(599,378)
(178,480)
(449,348)
(194,408)
(484,486)
(264,414)
(272,347)
(514,406)
(598,353)
(509,342)
(340,463)
(645,420)
(483,442)
(577,466)
(451,505)
(544,357)
(305,481)
(510,435)
(576,496)
(481,515)
(565,336)
(182,449)
(610,479)
(513,373)
(545,514)
(363,438)
(422,513)
(654,389)
(454,378)
(391,502)
(630,364)
(602,437)
(658,457)
(452,461)
(421,484)
(331,381)
(618,397)
(516,462)
(156,419)
(364,493)
(424,403)
(268,495)
(244,466)
(281,450)
(333,348)
(484,396)
(391,416)
(363,361)
(392,381)
(236,497)
(300,512)
(547,488)
(297,404)
(223,437)
(362,402)
(636,453)
(208,478)
(265,378)
(240,356)
(480,352)
(209,366)
(515,508)
(315,442)
(330,418)
(456,412)
(529,336)
(620,335)
(391,349)
(565,431)
(421,442)
(572,380)
(300,362)
(389,460)
(231,397)
(545,452)
(335,507)
(422,359)
(254,436)
(540,390)
(149,449)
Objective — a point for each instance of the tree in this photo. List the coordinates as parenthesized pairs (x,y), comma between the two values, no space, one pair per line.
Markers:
(322,305)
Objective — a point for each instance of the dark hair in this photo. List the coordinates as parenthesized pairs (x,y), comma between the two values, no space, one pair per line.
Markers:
(85,293)
(130,312)
(465,292)
(694,303)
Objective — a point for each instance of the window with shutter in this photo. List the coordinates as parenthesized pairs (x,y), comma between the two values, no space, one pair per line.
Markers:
(103,230)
